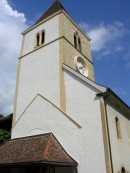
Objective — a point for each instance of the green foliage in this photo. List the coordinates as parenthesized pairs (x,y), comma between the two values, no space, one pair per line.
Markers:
(4,136)
(1,116)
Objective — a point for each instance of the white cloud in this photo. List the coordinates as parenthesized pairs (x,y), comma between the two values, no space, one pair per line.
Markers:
(105,36)
(12,23)
(127,59)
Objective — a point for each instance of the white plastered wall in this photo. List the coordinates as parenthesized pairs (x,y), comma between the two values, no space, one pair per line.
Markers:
(43,117)
(82,103)
(120,147)
(39,72)
(51,28)
(84,144)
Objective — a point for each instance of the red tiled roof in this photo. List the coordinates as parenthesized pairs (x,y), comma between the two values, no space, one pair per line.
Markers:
(55,7)
(34,149)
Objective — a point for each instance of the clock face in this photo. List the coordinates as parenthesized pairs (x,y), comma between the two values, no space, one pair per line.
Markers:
(81,66)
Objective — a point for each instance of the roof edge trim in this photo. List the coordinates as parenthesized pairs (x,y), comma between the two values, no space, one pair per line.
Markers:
(109,92)
(67,115)
(98,87)
(39,163)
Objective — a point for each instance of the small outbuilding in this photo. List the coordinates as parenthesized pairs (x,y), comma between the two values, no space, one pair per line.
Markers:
(40,153)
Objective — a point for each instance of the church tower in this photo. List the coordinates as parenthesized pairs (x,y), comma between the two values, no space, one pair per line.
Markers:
(56,92)
(64,121)
(53,41)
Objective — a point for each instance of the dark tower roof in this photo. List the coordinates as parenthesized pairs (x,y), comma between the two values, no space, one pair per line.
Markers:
(54,8)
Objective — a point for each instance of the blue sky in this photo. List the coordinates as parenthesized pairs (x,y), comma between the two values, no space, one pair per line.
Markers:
(106,22)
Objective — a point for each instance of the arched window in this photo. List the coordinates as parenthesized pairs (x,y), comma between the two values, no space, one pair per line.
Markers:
(37,39)
(75,40)
(79,43)
(42,37)
(123,170)
(118,130)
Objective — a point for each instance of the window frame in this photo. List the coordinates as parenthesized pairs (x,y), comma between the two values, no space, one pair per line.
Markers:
(118,128)
(79,44)
(123,170)
(37,39)
(42,41)
(75,41)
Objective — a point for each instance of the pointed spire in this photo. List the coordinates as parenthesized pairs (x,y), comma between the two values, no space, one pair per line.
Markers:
(54,8)
(58,1)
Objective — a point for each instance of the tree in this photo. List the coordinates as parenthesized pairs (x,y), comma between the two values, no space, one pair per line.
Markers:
(4,136)
(1,116)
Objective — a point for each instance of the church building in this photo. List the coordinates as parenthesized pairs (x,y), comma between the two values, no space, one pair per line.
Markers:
(63,121)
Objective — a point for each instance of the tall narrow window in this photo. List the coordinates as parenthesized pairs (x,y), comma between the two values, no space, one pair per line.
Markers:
(37,39)
(42,37)
(79,43)
(128,129)
(123,170)
(118,130)
(75,40)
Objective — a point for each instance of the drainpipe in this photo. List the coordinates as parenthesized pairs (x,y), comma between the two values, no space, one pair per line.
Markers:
(106,94)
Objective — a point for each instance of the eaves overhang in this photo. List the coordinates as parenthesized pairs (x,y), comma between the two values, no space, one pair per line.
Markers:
(62,164)
(38,149)
(115,100)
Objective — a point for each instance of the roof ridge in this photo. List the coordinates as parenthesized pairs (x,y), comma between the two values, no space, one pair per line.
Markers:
(59,3)
(48,144)
(55,7)
(63,148)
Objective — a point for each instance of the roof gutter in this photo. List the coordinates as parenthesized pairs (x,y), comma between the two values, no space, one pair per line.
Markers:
(109,93)
(40,163)
(105,94)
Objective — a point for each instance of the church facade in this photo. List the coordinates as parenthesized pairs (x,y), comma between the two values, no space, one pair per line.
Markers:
(78,125)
